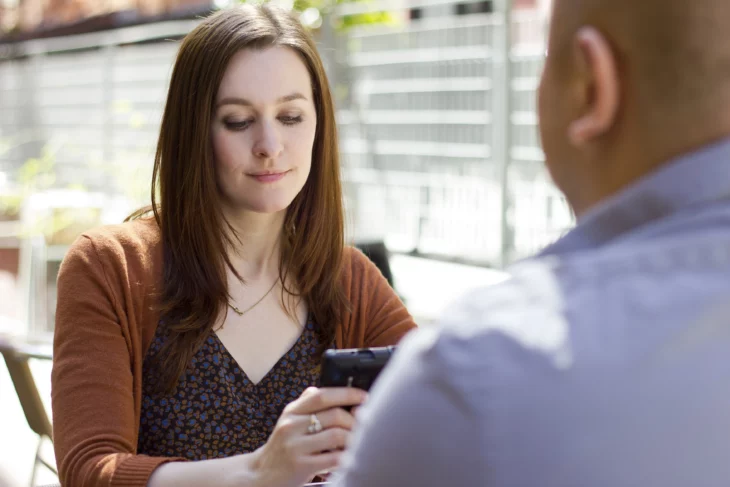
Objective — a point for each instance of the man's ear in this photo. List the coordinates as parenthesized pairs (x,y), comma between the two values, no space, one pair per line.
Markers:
(599,86)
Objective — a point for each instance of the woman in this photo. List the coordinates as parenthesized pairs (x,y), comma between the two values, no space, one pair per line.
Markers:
(196,334)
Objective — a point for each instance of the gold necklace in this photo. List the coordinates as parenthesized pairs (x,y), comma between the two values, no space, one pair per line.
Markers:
(241,313)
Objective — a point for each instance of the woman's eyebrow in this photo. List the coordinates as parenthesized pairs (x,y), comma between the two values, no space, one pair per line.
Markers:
(234,100)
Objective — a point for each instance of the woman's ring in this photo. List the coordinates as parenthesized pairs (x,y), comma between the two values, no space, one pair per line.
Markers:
(314,425)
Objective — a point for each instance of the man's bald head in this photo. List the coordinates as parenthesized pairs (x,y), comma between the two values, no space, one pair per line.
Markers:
(675,52)
(629,84)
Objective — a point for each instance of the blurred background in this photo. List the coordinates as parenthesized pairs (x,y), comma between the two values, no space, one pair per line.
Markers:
(438,133)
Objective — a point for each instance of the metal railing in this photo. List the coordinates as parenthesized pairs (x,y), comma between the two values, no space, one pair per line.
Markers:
(439,134)
(437,120)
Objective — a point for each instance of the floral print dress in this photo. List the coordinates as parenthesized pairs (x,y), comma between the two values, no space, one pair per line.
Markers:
(215,410)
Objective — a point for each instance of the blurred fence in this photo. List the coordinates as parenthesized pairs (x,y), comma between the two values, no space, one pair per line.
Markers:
(439,133)
(79,117)
(91,104)
(436,113)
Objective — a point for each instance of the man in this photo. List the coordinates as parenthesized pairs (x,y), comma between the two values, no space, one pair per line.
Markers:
(604,361)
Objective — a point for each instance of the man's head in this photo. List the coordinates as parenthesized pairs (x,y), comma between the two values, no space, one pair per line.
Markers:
(629,84)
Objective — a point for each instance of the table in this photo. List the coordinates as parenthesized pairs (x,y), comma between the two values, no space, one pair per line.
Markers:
(26,349)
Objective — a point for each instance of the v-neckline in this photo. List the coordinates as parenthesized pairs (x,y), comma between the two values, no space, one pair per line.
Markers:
(224,350)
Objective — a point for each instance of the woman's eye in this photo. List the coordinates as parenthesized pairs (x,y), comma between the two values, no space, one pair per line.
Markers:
(238,125)
(290,120)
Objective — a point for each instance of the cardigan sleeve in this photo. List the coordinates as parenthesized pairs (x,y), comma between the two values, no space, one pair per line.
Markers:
(94,426)
(378,316)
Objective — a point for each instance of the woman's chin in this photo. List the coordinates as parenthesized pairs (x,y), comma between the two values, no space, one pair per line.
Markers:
(264,204)
(267,208)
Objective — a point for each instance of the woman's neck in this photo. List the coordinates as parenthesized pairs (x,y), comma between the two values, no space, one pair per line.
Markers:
(257,254)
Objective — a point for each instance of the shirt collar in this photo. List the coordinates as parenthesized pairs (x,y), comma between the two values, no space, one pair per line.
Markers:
(693,179)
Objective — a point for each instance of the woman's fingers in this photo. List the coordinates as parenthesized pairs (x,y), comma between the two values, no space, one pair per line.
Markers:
(324,441)
(314,400)
(312,431)
(296,425)
(336,422)
(355,411)
(309,436)
(332,418)
(336,425)
(324,462)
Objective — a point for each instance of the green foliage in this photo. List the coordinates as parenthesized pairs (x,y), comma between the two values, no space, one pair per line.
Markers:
(36,174)
(325,7)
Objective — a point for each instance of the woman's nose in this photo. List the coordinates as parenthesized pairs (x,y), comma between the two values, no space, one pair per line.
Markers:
(268,144)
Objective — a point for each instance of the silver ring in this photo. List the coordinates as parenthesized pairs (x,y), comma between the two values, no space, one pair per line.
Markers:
(314,425)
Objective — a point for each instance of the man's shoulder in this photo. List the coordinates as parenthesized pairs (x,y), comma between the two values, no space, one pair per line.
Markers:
(527,311)
(533,280)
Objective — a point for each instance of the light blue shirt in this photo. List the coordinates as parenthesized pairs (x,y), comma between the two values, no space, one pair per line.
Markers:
(603,362)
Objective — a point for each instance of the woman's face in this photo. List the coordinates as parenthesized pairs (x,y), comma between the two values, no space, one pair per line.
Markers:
(263,129)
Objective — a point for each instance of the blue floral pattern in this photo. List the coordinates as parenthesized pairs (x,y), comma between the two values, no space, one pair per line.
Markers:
(215,410)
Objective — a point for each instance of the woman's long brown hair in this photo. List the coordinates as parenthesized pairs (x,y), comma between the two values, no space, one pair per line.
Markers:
(195,234)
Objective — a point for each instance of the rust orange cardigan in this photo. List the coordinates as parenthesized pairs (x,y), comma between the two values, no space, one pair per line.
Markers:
(104,325)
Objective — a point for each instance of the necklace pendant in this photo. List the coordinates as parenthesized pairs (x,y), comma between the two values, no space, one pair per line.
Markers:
(241,313)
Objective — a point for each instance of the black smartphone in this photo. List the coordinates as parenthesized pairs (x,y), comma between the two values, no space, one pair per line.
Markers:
(353,367)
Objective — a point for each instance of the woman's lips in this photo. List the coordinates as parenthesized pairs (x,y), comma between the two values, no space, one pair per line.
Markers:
(269,177)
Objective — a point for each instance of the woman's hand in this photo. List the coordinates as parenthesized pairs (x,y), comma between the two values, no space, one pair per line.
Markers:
(298,449)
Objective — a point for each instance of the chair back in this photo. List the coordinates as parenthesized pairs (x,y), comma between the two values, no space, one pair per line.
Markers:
(379,255)
(25,387)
